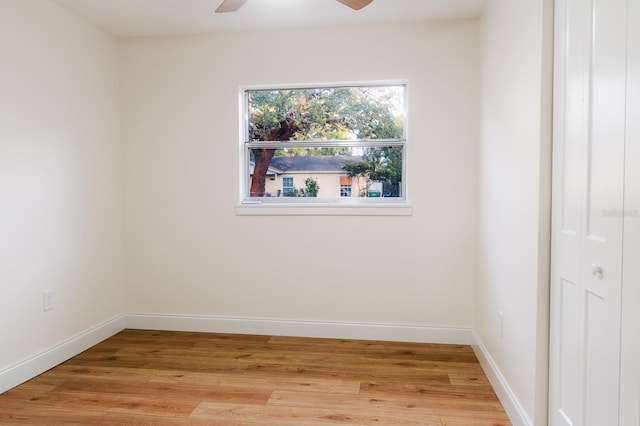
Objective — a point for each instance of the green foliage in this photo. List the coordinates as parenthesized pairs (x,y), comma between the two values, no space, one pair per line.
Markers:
(311,187)
(356,169)
(312,151)
(310,190)
(380,164)
(346,113)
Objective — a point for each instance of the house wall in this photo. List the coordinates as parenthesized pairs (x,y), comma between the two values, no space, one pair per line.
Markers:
(328,183)
(514,203)
(188,254)
(60,186)
(273,186)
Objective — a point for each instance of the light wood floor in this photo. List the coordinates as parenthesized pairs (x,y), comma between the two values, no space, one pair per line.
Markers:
(168,378)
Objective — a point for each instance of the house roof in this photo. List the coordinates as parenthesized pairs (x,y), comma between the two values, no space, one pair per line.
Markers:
(303,163)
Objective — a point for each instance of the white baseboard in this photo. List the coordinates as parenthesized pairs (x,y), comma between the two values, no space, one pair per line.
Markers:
(500,385)
(39,363)
(22,371)
(298,328)
(34,365)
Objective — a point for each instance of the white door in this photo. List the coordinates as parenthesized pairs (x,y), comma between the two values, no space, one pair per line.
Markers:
(630,356)
(589,142)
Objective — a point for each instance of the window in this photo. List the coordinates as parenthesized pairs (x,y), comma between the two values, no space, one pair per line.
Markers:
(287,187)
(345,190)
(345,186)
(300,141)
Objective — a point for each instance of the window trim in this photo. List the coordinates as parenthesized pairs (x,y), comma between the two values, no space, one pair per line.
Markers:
(324,209)
(339,206)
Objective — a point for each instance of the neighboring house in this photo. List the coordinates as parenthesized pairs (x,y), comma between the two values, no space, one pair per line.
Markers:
(286,174)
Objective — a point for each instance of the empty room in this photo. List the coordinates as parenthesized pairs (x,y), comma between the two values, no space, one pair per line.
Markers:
(301,212)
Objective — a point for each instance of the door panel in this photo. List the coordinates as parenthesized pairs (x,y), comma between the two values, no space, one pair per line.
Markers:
(570,131)
(589,165)
(601,365)
(602,243)
(569,345)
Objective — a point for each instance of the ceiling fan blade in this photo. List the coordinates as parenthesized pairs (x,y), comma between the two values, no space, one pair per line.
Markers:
(230,6)
(355,4)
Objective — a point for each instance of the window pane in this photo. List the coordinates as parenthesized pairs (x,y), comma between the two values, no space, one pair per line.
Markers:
(320,172)
(317,114)
(287,187)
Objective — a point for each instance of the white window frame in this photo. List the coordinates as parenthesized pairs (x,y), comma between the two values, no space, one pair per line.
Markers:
(348,206)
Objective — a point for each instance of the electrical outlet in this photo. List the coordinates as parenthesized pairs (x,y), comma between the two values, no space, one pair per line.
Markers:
(48,300)
(501,324)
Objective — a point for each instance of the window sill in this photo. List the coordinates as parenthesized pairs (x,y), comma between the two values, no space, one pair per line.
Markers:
(264,209)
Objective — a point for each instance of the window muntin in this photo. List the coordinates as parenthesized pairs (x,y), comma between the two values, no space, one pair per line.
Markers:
(319,134)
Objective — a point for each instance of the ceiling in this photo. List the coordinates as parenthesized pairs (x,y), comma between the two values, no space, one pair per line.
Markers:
(144,18)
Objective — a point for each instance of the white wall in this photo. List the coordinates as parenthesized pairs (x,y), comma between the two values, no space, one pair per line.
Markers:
(187,253)
(60,181)
(514,202)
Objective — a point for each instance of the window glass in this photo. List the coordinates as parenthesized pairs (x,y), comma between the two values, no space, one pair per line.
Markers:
(287,186)
(325,143)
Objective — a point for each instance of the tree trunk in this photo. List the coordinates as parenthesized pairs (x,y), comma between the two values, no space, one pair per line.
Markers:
(262,156)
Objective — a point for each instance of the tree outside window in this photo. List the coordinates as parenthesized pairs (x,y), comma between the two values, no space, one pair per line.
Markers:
(363,125)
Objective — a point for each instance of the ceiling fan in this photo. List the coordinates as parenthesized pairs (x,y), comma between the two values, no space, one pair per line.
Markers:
(233,5)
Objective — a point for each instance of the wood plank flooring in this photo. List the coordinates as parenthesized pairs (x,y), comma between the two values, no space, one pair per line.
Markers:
(171,378)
